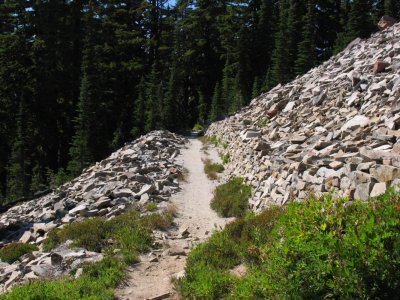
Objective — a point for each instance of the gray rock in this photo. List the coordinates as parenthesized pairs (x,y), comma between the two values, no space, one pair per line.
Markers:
(356,122)
(378,189)
(384,173)
(26,237)
(146,189)
(363,191)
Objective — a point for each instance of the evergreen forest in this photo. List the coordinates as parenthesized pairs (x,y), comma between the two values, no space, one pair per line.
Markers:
(81,78)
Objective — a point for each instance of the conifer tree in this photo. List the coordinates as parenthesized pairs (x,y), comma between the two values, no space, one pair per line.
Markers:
(139,117)
(306,57)
(392,8)
(19,165)
(216,109)
(81,150)
(256,88)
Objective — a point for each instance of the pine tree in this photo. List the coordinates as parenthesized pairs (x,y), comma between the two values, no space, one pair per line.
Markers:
(306,57)
(358,22)
(19,165)
(256,88)
(80,151)
(280,61)
(139,110)
(216,109)
(392,8)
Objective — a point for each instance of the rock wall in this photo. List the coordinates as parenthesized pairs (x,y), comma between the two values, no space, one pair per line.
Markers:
(142,171)
(334,129)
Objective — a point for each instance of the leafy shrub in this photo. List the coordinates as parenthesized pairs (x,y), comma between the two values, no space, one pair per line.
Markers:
(231,198)
(96,234)
(198,127)
(319,249)
(211,169)
(12,252)
(253,231)
(97,282)
(324,248)
(206,267)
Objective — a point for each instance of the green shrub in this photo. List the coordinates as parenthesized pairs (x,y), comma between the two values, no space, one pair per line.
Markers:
(206,275)
(12,252)
(324,248)
(97,282)
(231,198)
(319,249)
(151,206)
(128,230)
(211,169)
(226,158)
(198,127)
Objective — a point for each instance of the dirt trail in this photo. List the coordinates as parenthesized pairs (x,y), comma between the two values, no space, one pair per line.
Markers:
(151,278)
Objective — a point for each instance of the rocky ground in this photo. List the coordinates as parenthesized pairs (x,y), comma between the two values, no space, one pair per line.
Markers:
(142,171)
(334,129)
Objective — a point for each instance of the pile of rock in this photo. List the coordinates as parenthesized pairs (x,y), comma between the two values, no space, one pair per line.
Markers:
(334,129)
(142,171)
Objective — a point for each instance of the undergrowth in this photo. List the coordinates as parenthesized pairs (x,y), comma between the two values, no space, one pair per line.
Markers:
(97,282)
(231,198)
(320,249)
(128,233)
(212,169)
(12,252)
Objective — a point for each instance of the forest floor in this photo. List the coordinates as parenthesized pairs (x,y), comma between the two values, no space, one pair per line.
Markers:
(195,221)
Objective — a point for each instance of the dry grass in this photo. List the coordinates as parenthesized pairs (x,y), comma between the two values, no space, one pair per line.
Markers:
(212,169)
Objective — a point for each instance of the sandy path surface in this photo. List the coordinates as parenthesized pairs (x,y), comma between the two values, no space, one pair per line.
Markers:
(151,278)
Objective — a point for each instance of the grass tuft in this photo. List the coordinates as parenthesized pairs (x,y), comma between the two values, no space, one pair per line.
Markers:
(12,252)
(151,206)
(211,169)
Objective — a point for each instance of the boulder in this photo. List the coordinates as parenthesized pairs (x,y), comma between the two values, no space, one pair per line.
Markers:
(379,66)
(378,189)
(386,22)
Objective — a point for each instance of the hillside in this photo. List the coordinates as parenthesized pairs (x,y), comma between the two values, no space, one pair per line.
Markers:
(314,146)
(335,128)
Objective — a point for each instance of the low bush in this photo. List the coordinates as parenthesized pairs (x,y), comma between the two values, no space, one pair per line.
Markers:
(128,232)
(226,158)
(206,269)
(211,169)
(198,127)
(12,252)
(97,282)
(231,198)
(98,234)
(319,249)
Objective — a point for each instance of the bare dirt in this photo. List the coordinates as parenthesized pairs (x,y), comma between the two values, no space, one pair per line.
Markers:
(195,221)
